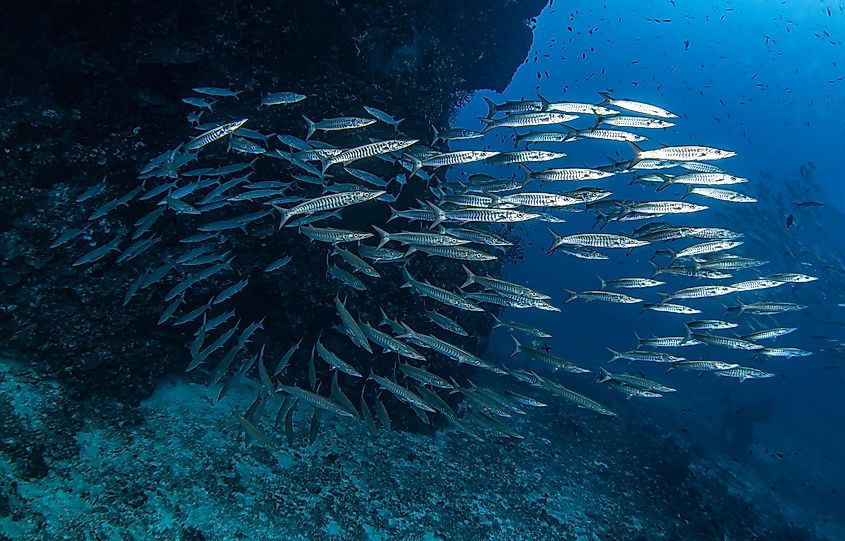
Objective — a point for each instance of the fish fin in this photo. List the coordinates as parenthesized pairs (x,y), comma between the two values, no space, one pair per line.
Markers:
(517,347)
(667,181)
(385,236)
(285,215)
(546,102)
(439,215)
(528,172)
(417,165)
(491,107)
(311,127)
(470,277)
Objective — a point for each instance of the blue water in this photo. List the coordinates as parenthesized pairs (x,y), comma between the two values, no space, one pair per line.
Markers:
(764,79)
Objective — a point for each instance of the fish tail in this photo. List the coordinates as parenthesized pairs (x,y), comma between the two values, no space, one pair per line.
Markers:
(409,280)
(637,152)
(491,107)
(470,277)
(385,236)
(607,98)
(528,172)
(439,215)
(285,216)
(436,135)
(667,180)
(417,165)
(689,191)
(572,296)
(656,270)
(517,347)
(555,238)
(604,376)
(602,282)
(488,124)
(639,340)
(311,127)
(616,355)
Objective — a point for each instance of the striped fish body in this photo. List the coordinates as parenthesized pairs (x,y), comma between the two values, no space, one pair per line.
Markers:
(686,153)
(580,108)
(597,240)
(389,343)
(769,334)
(333,235)
(578,399)
(488,215)
(672,308)
(755,285)
(439,294)
(703,366)
(708,248)
(602,295)
(462,253)
(403,394)
(538,199)
(445,323)
(444,348)
(459,157)
(424,376)
(522,156)
(624,121)
(637,107)
(666,207)
(336,361)
(329,202)
(727,342)
(699,292)
(477,236)
(610,135)
(281,98)
(527,119)
(568,174)
(369,150)
(214,134)
(743,373)
(316,400)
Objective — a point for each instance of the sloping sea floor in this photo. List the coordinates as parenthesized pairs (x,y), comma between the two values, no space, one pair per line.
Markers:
(182,471)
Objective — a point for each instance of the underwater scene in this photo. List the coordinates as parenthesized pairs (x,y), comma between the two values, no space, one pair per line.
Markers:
(422,270)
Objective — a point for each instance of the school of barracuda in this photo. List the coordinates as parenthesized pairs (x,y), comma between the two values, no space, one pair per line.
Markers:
(452,224)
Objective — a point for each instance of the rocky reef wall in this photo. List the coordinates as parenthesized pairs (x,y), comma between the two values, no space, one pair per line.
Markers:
(94,91)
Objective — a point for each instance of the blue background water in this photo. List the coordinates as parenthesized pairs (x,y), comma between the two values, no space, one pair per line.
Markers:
(764,79)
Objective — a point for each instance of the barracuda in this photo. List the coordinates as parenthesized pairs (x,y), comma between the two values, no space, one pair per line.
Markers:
(438,294)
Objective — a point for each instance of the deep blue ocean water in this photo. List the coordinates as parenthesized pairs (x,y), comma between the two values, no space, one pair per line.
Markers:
(761,78)
(764,79)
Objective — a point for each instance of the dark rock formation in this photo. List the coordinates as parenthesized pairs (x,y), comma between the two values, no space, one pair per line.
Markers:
(94,89)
